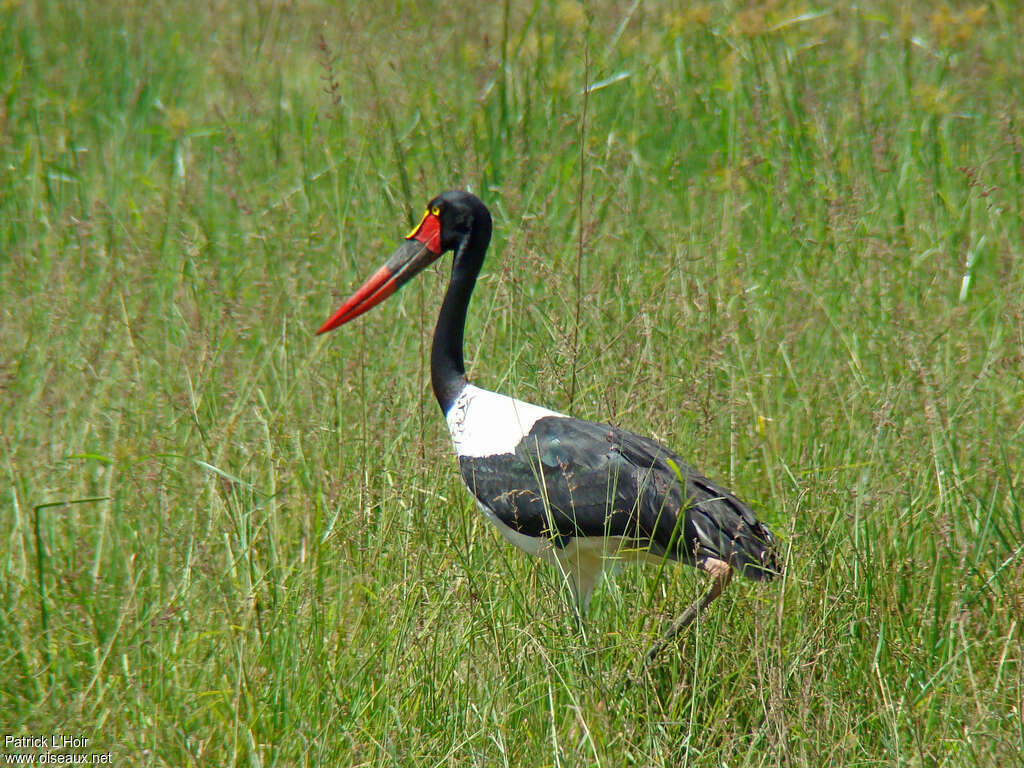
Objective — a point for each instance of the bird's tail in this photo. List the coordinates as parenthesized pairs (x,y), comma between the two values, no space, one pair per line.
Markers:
(721,526)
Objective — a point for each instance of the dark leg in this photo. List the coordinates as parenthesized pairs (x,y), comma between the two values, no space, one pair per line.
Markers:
(720,573)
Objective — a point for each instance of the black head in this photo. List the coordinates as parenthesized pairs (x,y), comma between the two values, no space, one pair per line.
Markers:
(462,217)
(454,221)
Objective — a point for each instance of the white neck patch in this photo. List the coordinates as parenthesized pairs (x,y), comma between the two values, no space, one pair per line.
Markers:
(485,423)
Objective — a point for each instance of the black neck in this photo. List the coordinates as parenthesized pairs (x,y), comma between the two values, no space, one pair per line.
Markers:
(447,367)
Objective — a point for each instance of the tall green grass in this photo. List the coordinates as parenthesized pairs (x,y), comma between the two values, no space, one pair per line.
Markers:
(229,542)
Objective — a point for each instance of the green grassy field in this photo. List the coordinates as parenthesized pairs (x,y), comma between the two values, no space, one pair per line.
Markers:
(784,239)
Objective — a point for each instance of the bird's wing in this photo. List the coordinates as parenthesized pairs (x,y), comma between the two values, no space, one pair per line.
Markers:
(570,478)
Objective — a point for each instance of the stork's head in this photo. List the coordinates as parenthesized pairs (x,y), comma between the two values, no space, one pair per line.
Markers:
(453,221)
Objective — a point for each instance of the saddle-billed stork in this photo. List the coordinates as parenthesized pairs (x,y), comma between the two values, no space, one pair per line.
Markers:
(579,494)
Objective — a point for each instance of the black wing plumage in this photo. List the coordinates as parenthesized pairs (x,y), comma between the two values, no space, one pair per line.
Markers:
(570,478)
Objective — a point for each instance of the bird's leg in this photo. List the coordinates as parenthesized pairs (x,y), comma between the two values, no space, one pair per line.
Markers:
(580,575)
(720,573)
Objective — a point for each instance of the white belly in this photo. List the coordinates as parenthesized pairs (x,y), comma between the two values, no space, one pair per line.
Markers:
(582,561)
(532,545)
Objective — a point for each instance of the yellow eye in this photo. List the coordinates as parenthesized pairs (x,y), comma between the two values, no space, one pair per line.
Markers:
(436,210)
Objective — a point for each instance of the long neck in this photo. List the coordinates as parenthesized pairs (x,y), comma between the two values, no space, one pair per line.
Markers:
(447,367)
